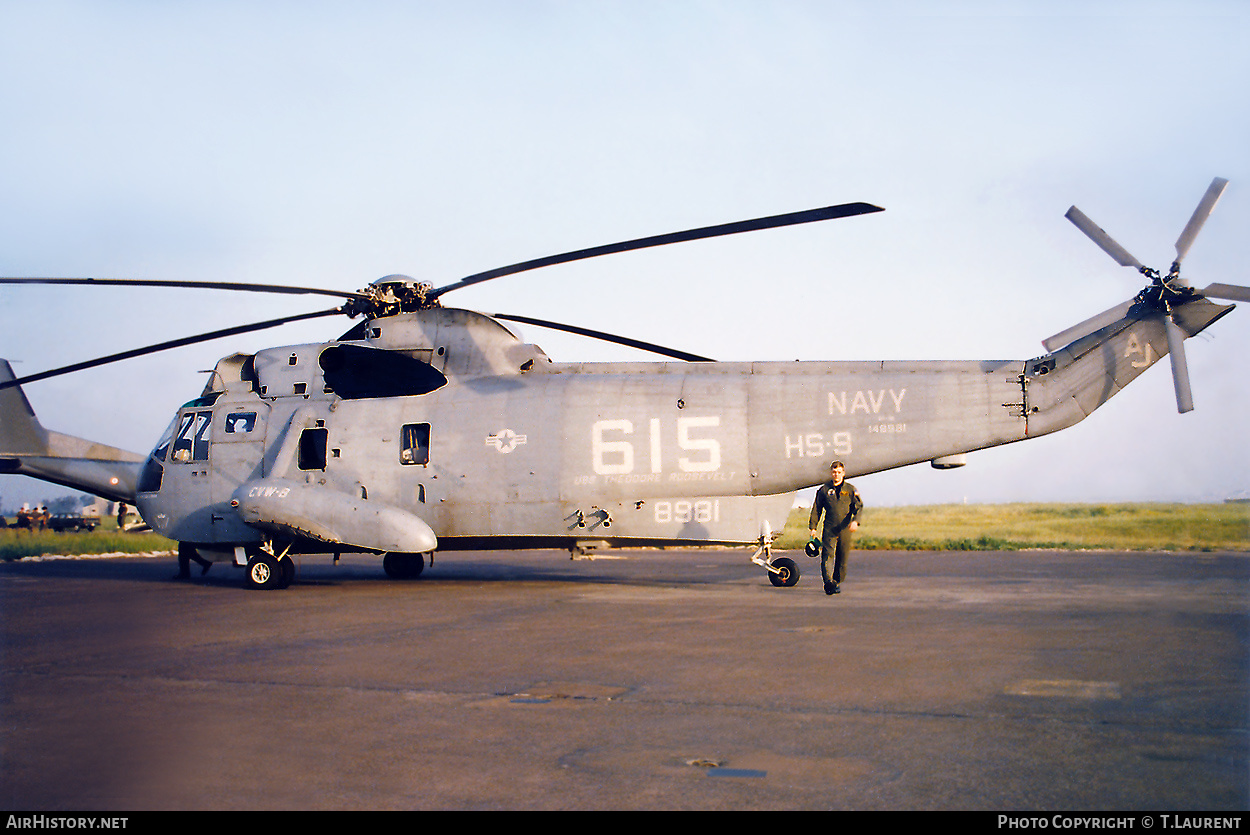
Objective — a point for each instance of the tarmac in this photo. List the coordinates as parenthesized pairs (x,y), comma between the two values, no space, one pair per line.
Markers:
(645,680)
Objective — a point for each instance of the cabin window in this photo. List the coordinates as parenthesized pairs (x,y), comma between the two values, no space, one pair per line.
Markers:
(191,440)
(240,423)
(414,447)
(312,449)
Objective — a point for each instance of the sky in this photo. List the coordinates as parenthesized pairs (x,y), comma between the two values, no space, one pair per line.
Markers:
(328,144)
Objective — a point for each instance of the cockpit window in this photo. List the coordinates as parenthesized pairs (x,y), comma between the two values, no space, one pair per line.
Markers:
(162,446)
(182,444)
(191,440)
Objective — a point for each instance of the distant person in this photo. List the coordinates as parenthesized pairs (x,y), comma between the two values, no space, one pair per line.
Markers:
(840,503)
(121,515)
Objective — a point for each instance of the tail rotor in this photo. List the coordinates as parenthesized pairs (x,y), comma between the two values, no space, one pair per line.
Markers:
(1162,297)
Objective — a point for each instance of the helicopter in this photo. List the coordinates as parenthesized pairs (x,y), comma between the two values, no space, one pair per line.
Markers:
(427,428)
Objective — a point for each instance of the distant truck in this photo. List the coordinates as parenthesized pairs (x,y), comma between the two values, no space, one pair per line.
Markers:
(62,522)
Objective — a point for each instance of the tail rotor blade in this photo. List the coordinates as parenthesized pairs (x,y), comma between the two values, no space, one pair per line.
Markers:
(1199,217)
(1180,369)
(1090,325)
(1233,292)
(1099,236)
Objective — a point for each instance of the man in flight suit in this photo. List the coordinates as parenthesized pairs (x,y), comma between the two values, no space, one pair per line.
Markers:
(841,504)
(187,553)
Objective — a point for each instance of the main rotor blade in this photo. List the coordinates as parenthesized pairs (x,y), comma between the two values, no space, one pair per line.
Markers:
(1199,217)
(164,346)
(1090,325)
(1180,369)
(1099,236)
(792,219)
(607,337)
(1234,292)
(202,285)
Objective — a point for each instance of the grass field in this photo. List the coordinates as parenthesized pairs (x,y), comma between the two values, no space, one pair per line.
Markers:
(106,539)
(997,527)
(1013,527)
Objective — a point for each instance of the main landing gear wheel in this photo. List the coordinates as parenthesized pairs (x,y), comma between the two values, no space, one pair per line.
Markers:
(287,565)
(265,571)
(403,566)
(784,572)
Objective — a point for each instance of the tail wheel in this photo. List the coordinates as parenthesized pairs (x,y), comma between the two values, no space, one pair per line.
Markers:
(784,573)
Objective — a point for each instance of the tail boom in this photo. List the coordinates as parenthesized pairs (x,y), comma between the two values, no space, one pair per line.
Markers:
(27,448)
(1088,372)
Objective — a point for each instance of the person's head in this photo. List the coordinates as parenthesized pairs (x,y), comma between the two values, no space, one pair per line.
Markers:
(837,472)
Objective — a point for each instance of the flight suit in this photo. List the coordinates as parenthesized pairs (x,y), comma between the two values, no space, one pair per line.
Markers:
(841,505)
(187,553)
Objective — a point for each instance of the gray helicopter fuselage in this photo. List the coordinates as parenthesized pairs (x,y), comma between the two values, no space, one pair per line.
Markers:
(509,448)
(428,428)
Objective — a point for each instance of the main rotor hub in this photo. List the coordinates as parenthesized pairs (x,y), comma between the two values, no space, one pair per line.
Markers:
(393,294)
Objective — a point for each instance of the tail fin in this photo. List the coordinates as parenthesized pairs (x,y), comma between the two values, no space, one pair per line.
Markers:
(1067,385)
(20,432)
(27,448)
